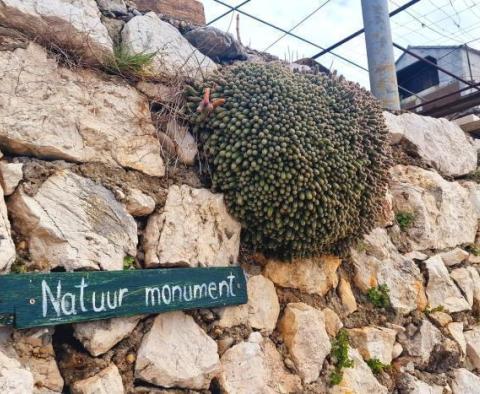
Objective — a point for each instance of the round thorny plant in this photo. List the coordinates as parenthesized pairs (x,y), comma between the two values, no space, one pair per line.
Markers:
(301,159)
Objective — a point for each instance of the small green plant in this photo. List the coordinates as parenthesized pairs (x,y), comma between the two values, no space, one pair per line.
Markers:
(336,377)
(361,246)
(474,175)
(473,249)
(128,263)
(125,63)
(18,267)
(379,296)
(339,354)
(428,310)
(404,220)
(377,366)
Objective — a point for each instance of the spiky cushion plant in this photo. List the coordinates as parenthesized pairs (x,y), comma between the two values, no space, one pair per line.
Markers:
(301,159)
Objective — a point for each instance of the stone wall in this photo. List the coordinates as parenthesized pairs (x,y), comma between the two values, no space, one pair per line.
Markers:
(93,175)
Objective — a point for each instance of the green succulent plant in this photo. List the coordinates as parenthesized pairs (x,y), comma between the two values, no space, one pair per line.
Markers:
(301,159)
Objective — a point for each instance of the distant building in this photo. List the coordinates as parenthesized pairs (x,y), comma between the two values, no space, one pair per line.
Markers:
(424,80)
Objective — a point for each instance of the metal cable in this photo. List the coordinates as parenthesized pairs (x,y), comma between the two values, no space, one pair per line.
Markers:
(291,34)
(298,24)
(228,12)
(358,32)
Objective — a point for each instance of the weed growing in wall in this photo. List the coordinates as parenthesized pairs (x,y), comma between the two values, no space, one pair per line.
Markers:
(128,64)
(473,249)
(404,220)
(377,366)
(128,263)
(339,355)
(379,296)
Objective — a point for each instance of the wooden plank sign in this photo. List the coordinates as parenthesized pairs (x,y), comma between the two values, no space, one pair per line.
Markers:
(44,299)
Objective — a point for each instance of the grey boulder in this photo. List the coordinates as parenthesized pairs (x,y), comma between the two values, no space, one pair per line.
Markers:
(216,44)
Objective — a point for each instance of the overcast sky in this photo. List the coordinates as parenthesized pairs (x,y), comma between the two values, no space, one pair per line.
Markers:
(429,22)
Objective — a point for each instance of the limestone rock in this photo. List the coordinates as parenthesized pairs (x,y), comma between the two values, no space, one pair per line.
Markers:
(423,341)
(115,6)
(186,10)
(468,279)
(465,382)
(444,216)
(472,258)
(439,142)
(10,176)
(114,27)
(333,324)
(397,351)
(72,25)
(441,291)
(472,338)
(386,216)
(445,356)
(316,275)
(441,318)
(263,305)
(235,315)
(381,263)
(99,337)
(107,381)
(75,223)
(35,350)
(193,230)
(349,303)
(411,385)
(260,361)
(139,203)
(14,379)
(174,54)
(158,92)
(73,115)
(358,379)
(216,44)
(176,352)
(261,311)
(456,331)
(474,189)
(303,331)
(7,247)
(373,342)
(454,256)
(416,255)
(185,145)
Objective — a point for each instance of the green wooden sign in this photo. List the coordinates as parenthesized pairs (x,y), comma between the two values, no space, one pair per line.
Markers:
(44,299)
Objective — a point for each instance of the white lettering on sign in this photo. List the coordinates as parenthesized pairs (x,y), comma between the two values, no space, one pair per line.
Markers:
(167,294)
(66,304)
(62,303)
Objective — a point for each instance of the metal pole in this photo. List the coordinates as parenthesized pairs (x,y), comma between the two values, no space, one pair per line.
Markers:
(381,66)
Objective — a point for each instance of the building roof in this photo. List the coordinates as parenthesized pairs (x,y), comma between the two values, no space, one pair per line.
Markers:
(446,47)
